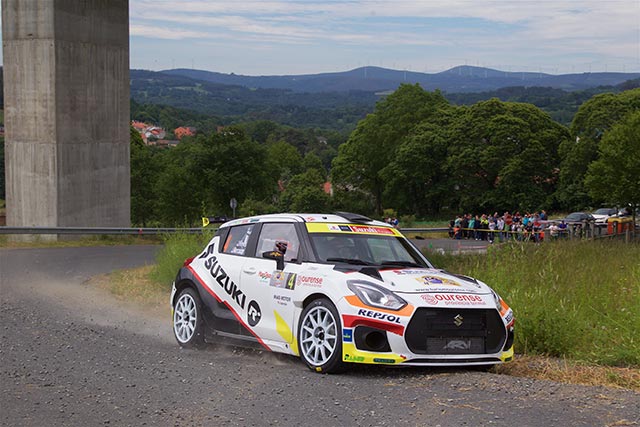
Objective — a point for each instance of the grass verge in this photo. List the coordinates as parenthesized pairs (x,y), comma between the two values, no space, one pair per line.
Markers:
(578,300)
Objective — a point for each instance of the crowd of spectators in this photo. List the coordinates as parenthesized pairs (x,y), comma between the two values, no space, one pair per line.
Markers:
(503,227)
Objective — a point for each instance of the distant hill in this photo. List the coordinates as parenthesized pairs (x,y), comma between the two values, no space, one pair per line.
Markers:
(332,110)
(460,79)
(338,110)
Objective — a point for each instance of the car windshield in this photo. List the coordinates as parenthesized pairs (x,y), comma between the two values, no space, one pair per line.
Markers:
(605,211)
(362,249)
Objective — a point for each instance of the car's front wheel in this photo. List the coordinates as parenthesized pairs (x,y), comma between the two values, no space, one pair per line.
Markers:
(320,338)
(187,319)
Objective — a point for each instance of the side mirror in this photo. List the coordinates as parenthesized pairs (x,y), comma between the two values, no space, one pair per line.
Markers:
(277,256)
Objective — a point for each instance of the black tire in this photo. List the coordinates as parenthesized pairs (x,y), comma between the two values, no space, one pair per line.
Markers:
(187,322)
(320,337)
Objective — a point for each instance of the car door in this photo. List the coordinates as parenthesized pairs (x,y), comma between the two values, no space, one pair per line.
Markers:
(231,311)
(273,289)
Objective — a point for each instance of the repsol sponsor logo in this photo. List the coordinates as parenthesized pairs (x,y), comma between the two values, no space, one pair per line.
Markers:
(380,316)
(222,278)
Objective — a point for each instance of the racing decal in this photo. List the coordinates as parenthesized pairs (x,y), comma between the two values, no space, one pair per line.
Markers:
(355,301)
(347,335)
(382,316)
(277,279)
(351,354)
(282,299)
(225,282)
(208,251)
(311,281)
(436,281)
(264,276)
(453,299)
(280,279)
(351,228)
(253,313)
(351,321)
(231,309)
(285,332)
(508,317)
(409,272)
(291,281)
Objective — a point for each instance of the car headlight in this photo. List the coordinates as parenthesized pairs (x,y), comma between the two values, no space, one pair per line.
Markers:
(375,296)
(497,298)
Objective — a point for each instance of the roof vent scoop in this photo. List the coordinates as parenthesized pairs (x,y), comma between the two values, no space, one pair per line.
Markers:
(353,217)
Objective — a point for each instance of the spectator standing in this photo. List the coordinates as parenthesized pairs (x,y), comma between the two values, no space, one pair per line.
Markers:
(492,229)
(500,226)
(464,224)
(476,228)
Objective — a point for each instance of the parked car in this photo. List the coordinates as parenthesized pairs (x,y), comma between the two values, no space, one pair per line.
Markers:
(336,289)
(578,217)
(603,214)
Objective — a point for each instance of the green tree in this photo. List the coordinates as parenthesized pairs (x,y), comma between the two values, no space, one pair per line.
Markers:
(201,175)
(373,144)
(590,123)
(416,179)
(305,193)
(615,176)
(143,177)
(285,160)
(503,155)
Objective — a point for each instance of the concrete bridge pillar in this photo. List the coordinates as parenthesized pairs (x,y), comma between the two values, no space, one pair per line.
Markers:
(66,95)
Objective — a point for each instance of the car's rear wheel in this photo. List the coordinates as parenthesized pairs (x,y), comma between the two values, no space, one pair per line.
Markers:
(187,319)
(320,337)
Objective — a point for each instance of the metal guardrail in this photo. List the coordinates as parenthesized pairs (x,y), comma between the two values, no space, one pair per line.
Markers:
(98,230)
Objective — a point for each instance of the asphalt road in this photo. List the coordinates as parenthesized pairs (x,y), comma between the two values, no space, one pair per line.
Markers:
(72,355)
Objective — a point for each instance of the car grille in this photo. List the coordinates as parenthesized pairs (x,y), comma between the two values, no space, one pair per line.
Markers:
(447,331)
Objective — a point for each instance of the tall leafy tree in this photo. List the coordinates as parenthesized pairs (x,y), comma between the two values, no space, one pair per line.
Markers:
(201,175)
(373,144)
(615,176)
(416,181)
(503,155)
(143,177)
(590,123)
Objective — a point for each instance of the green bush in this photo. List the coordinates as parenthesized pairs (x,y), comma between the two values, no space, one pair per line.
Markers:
(574,299)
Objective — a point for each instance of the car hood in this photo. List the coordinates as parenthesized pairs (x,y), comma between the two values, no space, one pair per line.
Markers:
(427,280)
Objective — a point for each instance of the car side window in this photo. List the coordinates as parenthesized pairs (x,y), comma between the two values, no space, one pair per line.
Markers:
(237,239)
(273,235)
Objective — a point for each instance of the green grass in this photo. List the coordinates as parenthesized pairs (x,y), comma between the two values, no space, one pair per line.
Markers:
(177,248)
(573,299)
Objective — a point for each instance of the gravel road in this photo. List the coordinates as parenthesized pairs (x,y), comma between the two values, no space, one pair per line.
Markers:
(72,355)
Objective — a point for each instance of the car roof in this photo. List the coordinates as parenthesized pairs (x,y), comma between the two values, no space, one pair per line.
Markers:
(335,218)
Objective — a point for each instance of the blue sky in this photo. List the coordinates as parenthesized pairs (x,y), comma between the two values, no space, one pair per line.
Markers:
(296,37)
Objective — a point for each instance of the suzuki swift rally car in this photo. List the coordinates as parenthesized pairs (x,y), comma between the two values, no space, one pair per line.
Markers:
(334,289)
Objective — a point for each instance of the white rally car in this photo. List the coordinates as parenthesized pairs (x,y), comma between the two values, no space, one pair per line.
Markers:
(334,289)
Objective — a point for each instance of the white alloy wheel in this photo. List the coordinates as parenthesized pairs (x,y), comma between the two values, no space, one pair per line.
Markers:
(186,319)
(319,338)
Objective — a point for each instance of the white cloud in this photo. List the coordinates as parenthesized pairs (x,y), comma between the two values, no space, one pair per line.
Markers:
(607,29)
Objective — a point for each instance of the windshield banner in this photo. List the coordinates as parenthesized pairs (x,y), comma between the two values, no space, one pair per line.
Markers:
(317,227)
